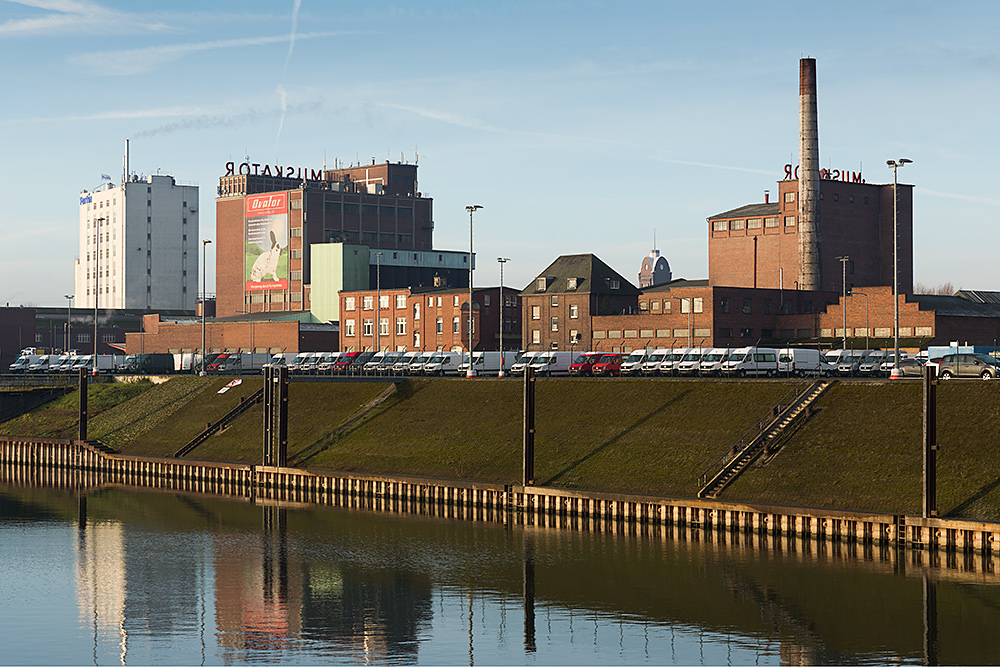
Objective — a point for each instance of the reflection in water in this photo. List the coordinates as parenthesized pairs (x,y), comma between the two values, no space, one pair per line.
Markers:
(196,580)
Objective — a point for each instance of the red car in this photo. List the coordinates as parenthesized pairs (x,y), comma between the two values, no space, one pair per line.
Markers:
(584,364)
(609,364)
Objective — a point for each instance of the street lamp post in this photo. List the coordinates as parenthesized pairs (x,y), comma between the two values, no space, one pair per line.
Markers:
(97,279)
(867,324)
(895,165)
(502,261)
(69,303)
(471,209)
(843,261)
(690,308)
(204,303)
(378,300)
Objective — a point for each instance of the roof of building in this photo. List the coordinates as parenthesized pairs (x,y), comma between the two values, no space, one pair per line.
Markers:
(955,306)
(750,211)
(979,296)
(678,283)
(592,276)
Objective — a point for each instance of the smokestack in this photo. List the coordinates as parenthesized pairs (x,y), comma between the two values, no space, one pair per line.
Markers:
(809,237)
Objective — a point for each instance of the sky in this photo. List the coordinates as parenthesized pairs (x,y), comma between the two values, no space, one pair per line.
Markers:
(579,127)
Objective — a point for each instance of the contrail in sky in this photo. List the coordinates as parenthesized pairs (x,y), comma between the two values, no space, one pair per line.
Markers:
(296,4)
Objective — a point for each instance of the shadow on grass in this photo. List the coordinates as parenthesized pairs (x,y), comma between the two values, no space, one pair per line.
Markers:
(975,497)
(611,441)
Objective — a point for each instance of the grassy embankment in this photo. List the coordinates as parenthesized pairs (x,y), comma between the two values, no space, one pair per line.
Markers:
(860,450)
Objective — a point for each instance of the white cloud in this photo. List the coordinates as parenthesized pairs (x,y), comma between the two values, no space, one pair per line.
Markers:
(74,15)
(137,61)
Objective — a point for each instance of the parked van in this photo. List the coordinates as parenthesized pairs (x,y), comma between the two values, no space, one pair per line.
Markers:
(610,364)
(389,359)
(523,360)
(669,364)
(22,363)
(711,363)
(63,364)
(150,363)
(486,362)
(850,362)
(106,363)
(584,363)
(416,366)
(651,364)
(633,363)
(690,363)
(446,363)
(751,362)
(801,362)
(237,362)
(402,364)
(41,364)
(324,365)
(280,359)
(552,363)
(374,361)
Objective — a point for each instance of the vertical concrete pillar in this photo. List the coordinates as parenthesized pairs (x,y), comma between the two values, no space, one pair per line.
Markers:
(809,182)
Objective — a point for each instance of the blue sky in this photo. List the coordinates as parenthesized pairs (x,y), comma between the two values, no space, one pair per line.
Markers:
(578,126)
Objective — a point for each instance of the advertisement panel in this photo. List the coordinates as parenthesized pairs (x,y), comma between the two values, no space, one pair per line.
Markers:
(266,225)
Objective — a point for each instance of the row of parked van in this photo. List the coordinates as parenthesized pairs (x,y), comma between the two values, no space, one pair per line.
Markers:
(69,362)
(393,363)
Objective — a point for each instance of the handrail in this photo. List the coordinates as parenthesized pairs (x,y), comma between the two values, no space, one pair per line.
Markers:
(741,445)
(242,407)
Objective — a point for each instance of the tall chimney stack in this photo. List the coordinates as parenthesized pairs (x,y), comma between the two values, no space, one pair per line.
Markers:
(809,237)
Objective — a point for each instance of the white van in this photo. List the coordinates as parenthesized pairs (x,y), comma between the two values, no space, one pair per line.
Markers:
(633,363)
(523,360)
(669,364)
(801,362)
(711,363)
(402,364)
(552,363)
(487,362)
(751,362)
(416,365)
(444,363)
(41,365)
(690,362)
(850,362)
(651,364)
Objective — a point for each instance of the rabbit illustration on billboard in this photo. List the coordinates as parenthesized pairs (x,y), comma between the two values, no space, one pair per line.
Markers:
(267,263)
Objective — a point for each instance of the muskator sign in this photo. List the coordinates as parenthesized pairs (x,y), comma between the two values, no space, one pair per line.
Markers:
(266,263)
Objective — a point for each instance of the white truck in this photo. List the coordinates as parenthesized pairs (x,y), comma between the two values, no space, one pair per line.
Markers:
(711,363)
(23,361)
(751,362)
(41,365)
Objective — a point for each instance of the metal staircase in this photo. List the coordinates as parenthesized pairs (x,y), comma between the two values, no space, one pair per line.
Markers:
(762,437)
(212,429)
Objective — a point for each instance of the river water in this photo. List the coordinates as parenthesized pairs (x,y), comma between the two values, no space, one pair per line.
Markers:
(128,577)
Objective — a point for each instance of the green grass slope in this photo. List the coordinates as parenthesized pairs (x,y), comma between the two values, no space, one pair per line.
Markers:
(862,451)
(60,418)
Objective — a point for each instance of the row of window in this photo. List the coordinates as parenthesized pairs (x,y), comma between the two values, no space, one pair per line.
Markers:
(367,326)
(751,223)
(368,302)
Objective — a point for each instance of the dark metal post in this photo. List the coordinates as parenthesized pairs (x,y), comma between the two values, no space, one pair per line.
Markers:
(529,427)
(529,595)
(83,404)
(930,442)
(282,440)
(930,622)
(268,413)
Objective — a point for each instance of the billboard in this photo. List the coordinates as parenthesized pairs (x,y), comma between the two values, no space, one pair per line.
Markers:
(266,224)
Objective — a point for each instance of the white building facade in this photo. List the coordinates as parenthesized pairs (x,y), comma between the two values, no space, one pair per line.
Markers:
(139,246)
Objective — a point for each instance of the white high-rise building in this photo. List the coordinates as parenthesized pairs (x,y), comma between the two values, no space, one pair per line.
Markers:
(139,245)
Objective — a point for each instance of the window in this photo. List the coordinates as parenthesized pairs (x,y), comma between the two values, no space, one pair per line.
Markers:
(383,301)
(536,312)
(574,311)
(789,221)
(416,311)
(349,303)
(368,302)
(614,284)
(83,338)
(536,336)
(349,328)
(540,285)
(554,300)
(720,225)
(698,304)
(439,302)
(654,306)
(456,325)
(754,223)
(789,196)
(38,338)
(486,299)
(685,305)
(383,326)
(455,301)
(440,326)
(400,326)
(770,222)
(367,327)
(724,304)
(767,306)
(555,324)
(400,301)
(430,302)
(746,306)
(571,284)
(737,224)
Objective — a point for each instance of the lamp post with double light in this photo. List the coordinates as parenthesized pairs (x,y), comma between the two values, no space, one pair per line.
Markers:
(895,165)
(502,261)
(69,305)
(844,260)
(471,209)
